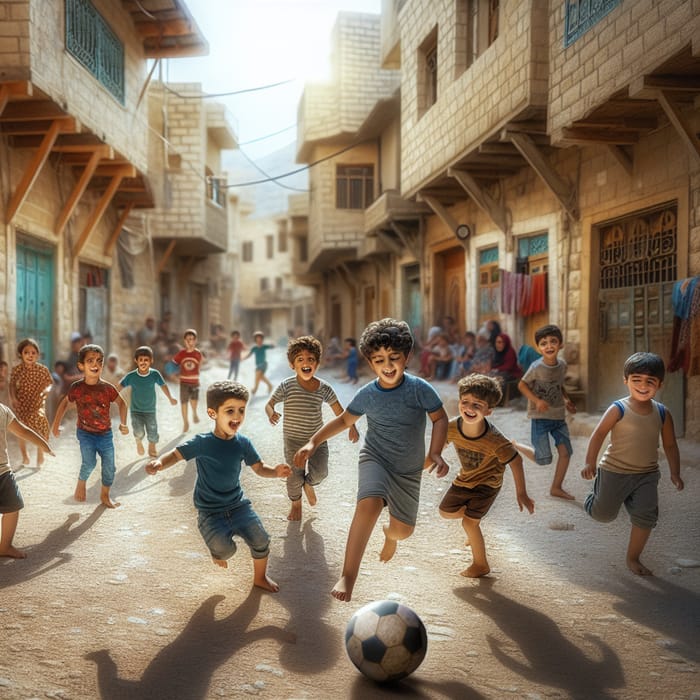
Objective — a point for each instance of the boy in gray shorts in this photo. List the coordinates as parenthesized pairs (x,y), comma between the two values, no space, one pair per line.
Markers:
(303,395)
(628,471)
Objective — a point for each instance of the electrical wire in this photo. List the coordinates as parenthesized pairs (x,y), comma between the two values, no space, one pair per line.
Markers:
(267,175)
(206,95)
(267,136)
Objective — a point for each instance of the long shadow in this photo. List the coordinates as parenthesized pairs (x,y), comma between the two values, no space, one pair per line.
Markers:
(413,687)
(550,658)
(183,669)
(306,595)
(47,555)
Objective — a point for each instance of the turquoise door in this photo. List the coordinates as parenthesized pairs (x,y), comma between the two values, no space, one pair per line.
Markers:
(35,292)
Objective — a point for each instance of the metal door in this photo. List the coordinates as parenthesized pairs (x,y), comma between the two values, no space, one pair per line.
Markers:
(35,293)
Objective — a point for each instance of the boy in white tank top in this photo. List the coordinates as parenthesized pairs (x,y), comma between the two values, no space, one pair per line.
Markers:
(628,471)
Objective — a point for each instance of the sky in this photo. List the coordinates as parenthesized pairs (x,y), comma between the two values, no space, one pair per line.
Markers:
(254,43)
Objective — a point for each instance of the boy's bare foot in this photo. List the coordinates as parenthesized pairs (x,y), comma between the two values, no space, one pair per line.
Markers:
(80,491)
(389,548)
(560,493)
(152,449)
(267,584)
(185,427)
(310,494)
(25,458)
(636,567)
(106,500)
(13,552)
(139,447)
(475,571)
(343,589)
(195,418)
(295,510)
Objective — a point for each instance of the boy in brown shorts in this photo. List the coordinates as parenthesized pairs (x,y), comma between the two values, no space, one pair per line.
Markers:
(483,453)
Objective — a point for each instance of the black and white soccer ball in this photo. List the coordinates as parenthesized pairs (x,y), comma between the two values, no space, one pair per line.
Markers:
(387,641)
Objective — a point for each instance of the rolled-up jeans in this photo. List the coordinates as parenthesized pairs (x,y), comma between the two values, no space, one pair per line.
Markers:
(91,445)
(218,529)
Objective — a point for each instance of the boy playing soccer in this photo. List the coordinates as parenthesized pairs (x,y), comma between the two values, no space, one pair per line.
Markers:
(392,457)
(189,359)
(92,397)
(223,509)
(483,453)
(303,395)
(628,471)
(543,385)
(143,381)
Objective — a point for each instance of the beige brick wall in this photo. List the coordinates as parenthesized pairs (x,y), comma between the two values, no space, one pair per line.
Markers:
(506,77)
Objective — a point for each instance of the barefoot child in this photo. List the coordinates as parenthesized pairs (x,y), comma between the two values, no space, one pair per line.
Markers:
(143,381)
(543,385)
(303,395)
(392,458)
(628,471)
(92,397)
(483,452)
(235,348)
(218,496)
(10,497)
(30,384)
(189,360)
(260,351)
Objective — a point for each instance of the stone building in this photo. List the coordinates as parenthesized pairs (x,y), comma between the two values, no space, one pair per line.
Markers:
(75,166)
(536,162)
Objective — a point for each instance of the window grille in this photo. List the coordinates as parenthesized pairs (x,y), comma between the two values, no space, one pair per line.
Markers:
(90,40)
(581,15)
(354,186)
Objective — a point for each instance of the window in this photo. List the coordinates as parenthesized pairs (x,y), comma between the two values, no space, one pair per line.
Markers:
(282,242)
(90,40)
(488,284)
(247,251)
(477,29)
(428,73)
(270,247)
(264,284)
(354,186)
(278,284)
(581,16)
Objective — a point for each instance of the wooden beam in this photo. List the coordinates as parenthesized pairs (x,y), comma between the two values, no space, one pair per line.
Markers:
(33,169)
(560,188)
(32,111)
(622,157)
(604,136)
(677,83)
(439,210)
(390,242)
(109,246)
(112,169)
(166,255)
(162,28)
(495,211)
(346,275)
(680,123)
(7,90)
(410,240)
(79,188)
(97,213)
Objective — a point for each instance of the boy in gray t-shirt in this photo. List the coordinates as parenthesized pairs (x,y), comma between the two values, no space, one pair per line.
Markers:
(543,386)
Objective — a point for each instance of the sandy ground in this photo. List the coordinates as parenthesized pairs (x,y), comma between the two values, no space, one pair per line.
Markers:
(126,603)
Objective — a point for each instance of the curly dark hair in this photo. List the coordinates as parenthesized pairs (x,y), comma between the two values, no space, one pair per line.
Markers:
(648,363)
(387,334)
(220,391)
(305,343)
(549,329)
(481,387)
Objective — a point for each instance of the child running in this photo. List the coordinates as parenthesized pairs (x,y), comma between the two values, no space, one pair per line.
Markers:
(189,360)
(392,458)
(10,497)
(543,385)
(260,351)
(218,497)
(235,347)
(628,471)
(92,397)
(303,395)
(30,384)
(483,453)
(143,381)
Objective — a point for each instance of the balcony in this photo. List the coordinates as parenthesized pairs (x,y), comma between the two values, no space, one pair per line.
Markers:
(390,207)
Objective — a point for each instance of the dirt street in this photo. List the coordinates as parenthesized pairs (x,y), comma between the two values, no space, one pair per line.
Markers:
(126,603)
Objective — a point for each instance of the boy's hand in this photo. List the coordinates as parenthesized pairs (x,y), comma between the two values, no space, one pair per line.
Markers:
(525,501)
(153,466)
(173,401)
(541,405)
(570,406)
(437,464)
(588,472)
(123,428)
(677,481)
(274,418)
(283,470)
(303,454)
(56,430)
(353,434)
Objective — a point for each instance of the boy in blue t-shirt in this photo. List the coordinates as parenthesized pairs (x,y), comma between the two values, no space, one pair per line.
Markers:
(223,509)
(143,381)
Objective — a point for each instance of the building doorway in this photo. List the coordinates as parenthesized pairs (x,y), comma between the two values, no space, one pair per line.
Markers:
(450,286)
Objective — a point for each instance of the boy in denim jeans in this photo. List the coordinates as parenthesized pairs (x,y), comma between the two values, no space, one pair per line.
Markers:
(543,386)
(223,510)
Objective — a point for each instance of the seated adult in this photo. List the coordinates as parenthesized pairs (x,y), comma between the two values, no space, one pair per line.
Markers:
(440,361)
(505,361)
(483,357)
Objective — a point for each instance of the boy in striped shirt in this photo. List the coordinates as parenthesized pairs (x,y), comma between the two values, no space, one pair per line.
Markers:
(303,395)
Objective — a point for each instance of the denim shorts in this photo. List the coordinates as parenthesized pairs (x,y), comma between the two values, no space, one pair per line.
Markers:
(218,529)
(10,496)
(540,431)
(91,445)
(144,424)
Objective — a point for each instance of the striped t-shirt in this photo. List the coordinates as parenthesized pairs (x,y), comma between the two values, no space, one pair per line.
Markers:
(302,415)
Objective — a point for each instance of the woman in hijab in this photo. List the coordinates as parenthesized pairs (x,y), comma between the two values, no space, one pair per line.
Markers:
(505,362)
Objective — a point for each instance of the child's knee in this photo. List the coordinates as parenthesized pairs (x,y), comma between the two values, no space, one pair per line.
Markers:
(602,515)
(222,548)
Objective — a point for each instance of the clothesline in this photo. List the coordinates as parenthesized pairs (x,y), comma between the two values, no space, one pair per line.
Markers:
(523,294)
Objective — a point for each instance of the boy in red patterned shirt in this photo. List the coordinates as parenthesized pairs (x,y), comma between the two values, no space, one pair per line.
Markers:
(189,360)
(92,397)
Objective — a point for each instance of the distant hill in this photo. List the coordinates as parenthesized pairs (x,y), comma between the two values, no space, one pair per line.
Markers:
(268,198)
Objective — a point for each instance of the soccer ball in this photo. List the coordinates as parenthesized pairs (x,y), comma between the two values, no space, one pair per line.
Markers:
(386,640)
